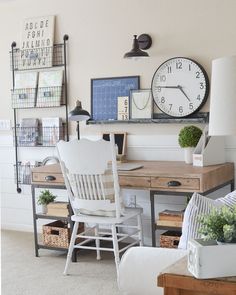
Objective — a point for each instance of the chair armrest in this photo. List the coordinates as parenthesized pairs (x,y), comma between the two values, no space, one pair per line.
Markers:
(140,266)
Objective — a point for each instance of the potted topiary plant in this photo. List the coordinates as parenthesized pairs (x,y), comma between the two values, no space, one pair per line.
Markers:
(188,139)
(44,199)
(219,225)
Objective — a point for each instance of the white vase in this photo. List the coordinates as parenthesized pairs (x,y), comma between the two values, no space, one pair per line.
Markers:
(188,155)
(44,209)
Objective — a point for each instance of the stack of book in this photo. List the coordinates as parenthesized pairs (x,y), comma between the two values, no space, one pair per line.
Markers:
(170,218)
(58,209)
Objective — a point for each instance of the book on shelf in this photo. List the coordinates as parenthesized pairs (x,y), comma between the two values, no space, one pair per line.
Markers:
(36,46)
(58,209)
(28,132)
(171,215)
(52,130)
(171,223)
(50,88)
(24,93)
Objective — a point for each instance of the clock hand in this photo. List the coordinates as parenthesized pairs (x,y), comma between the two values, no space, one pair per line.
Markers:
(181,89)
(175,87)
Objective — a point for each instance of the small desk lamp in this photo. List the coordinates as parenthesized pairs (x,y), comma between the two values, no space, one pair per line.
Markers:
(78,114)
(222,120)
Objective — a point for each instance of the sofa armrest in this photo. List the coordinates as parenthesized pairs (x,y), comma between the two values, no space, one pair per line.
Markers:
(140,266)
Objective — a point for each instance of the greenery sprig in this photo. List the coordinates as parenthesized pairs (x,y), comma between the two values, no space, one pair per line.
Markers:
(45,197)
(219,225)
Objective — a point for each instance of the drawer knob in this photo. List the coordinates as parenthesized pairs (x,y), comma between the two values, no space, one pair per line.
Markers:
(50,178)
(174,183)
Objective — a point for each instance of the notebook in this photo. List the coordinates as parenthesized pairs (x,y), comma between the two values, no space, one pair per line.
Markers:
(128,166)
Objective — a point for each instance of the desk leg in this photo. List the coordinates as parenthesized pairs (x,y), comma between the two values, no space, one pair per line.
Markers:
(153,222)
(34,222)
(232,187)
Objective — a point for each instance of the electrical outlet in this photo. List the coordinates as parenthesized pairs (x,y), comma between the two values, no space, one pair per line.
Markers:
(5,125)
(132,201)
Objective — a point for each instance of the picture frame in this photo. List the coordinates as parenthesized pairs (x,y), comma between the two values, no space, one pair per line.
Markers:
(121,142)
(141,104)
(105,93)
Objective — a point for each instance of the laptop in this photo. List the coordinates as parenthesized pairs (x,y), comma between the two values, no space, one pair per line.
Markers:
(128,166)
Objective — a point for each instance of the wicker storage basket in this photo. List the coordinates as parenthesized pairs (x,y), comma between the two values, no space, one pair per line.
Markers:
(57,234)
(170,239)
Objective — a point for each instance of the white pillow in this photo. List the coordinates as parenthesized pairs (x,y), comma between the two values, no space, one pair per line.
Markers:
(229,200)
(197,206)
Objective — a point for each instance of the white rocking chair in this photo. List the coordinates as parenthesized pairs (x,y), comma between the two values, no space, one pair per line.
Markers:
(90,173)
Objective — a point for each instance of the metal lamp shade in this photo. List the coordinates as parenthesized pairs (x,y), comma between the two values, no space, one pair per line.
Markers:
(78,114)
(136,52)
(222,120)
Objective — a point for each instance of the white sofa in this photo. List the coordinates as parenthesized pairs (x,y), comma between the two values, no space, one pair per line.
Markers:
(140,266)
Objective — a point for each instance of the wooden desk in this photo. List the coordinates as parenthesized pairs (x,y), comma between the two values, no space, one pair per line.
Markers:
(159,177)
(176,280)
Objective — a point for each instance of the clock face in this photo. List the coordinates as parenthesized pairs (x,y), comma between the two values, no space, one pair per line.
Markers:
(180,87)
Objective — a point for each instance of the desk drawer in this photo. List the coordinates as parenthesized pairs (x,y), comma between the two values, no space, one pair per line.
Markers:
(47,178)
(132,181)
(175,184)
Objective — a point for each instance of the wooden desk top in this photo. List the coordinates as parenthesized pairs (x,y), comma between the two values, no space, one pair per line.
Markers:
(157,174)
(178,277)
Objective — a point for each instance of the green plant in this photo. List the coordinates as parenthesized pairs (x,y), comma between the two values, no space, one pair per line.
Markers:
(45,197)
(189,136)
(219,225)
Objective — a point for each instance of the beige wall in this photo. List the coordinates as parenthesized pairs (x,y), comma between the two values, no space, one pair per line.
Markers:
(101,32)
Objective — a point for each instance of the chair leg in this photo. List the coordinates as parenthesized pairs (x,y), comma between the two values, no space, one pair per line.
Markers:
(71,247)
(115,246)
(97,242)
(140,228)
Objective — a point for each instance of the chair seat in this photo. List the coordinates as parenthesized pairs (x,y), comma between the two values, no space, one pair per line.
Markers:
(128,213)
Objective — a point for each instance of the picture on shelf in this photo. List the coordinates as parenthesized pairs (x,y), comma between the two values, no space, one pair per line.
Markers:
(37,42)
(50,88)
(24,92)
(141,104)
(105,93)
(123,108)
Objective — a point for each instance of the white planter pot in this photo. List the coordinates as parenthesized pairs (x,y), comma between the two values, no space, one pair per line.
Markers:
(44,209)
(188,155)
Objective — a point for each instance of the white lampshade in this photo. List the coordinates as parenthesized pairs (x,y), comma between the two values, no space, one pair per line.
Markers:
(222,119)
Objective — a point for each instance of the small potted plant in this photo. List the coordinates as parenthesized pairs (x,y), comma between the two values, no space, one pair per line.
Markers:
(44,199)
(188,139)
(219,225)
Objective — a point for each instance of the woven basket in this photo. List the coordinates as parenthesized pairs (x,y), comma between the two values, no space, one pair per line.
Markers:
(170,239)
(57,234)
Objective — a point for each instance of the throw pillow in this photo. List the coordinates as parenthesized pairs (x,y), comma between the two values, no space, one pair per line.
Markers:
(197,206)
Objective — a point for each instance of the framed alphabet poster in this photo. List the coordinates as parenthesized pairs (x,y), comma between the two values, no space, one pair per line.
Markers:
(105,93)
(37,42)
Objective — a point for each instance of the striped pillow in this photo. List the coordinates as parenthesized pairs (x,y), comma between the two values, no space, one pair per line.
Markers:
(197,206)
(229,200)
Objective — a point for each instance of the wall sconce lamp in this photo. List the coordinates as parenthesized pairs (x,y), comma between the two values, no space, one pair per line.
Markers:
(78,114)
(144,42)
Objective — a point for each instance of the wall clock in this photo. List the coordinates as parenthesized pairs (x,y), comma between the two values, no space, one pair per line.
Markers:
(180,87)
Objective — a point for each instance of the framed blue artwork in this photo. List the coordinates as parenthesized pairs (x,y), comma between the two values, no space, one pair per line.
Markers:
(104,94)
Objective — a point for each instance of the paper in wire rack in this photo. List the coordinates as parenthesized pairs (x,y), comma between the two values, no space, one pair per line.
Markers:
(37,42)
(50,88)
(52,131)
(141,104)
(24,93)
(28,133)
